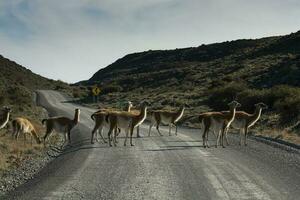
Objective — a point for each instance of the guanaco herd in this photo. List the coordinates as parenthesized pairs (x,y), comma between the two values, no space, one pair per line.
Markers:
(115,121)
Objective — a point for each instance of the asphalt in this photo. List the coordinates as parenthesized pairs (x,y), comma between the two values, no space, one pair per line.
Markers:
(168,167)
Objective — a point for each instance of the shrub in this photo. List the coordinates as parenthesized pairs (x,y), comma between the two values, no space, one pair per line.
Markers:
(79,92)
(250,97)
(289,108)
(110,89)
(283,99)
(221,96)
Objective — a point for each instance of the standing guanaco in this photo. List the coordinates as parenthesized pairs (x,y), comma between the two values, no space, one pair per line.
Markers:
(100,122)
(243,121)
(126,121)
(217,122)
(165,117)
(62,125)
(128,109)
(99,118)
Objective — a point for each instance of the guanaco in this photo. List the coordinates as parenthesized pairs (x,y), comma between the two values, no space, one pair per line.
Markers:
(24,126)
(165,117)
(217,122)
(243,121)
(126,121)
(62,125)
(100,122)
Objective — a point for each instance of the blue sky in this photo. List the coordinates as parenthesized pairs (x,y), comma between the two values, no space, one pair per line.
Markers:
(71,39)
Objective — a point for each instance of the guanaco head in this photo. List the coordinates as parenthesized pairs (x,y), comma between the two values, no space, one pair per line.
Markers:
(234,104)
(185,105)
(261,105)
(129,106)
(6,109)
(129,103)
(145,104)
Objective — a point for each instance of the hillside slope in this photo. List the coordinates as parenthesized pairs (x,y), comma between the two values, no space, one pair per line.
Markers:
(209,76)
(261,63)
(190,72)
(17,85)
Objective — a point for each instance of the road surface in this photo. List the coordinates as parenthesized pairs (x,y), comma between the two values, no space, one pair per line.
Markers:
(175,167)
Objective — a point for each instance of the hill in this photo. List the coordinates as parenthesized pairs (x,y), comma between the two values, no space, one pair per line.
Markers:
(17,85)
(195,75)
(261,63)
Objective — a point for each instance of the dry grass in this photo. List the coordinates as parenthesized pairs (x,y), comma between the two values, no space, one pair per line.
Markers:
(13,153)
(110,109)
(282,134)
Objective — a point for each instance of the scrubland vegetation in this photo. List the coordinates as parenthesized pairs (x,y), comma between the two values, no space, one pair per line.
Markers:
(209,76)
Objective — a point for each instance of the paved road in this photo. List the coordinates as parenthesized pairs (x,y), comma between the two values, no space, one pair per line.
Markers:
(161,167)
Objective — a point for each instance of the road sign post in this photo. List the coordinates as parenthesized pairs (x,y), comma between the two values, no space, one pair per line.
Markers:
(96,91)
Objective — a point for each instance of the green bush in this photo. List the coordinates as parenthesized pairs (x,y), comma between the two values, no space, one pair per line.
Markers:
(219,97)
(289,108)
(282,99)
(249,97)
(19,95)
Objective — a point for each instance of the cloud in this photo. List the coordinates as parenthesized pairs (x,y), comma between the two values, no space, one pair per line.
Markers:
(72,39)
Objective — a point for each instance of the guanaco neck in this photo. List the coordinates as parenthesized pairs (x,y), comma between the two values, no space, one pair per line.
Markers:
(5,117)
(179,113)
(231,114)
(128,108)
(255,116)
(76,117)
(143,113)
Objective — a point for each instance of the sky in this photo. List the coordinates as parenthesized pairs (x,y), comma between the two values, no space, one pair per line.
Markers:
(70,40)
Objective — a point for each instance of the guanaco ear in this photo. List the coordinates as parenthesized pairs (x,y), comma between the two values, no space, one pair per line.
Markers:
(7,108)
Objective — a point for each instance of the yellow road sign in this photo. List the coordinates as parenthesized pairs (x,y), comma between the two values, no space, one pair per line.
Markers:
(96,91)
